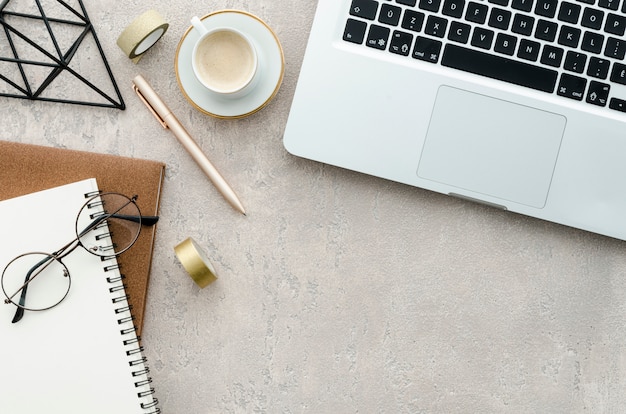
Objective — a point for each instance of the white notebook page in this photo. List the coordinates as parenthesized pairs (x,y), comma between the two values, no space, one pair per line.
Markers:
(71,358)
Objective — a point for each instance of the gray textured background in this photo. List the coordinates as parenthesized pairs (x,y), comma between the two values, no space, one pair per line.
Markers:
(339,292)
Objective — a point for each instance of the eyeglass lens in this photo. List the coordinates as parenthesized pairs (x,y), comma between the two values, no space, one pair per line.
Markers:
(108,224)
(47,278)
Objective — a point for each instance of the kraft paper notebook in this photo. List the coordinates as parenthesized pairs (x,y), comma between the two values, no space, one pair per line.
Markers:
(29,168)
(82,355)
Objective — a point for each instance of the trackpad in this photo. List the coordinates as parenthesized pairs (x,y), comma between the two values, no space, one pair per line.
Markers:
(491,147)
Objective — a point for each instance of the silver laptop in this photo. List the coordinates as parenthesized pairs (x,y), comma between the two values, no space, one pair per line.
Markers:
(519,104)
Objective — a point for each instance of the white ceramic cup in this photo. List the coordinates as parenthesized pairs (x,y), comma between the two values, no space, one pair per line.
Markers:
(224,60)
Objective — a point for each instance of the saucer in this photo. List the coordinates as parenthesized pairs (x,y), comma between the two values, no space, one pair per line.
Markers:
(271,66)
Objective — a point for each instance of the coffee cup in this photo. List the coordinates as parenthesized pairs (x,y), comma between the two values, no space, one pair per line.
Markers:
(224,60)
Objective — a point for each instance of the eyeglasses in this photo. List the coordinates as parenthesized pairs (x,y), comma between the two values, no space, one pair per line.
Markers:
(107,225)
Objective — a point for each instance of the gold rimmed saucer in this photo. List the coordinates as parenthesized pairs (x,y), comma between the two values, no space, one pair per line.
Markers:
(271,66)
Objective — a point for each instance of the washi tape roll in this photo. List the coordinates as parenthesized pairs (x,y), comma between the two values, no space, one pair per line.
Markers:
(195,262)
(141,34)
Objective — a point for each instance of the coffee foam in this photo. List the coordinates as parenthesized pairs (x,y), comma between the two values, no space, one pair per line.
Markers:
(225,61)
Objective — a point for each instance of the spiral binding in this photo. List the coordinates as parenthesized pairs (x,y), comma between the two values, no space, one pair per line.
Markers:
(92,193)
(131,341)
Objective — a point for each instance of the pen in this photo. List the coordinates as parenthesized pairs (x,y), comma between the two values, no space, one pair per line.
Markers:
(167,119)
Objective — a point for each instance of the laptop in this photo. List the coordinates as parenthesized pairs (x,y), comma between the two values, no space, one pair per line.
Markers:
(518,104)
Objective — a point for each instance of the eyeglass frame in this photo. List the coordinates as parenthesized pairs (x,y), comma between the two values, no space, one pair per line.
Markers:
(71,246)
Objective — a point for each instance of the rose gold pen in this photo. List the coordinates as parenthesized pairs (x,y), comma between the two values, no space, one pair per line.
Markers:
(167,119)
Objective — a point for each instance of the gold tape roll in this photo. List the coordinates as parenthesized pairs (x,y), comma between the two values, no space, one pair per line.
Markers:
(195,262)
(141,34)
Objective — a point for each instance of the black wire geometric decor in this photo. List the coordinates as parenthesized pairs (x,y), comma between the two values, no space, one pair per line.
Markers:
(49,51)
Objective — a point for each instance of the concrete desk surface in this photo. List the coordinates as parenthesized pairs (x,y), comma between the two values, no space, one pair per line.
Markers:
(340,292)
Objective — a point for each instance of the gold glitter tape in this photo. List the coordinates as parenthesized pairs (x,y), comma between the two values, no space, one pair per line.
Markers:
(195,262)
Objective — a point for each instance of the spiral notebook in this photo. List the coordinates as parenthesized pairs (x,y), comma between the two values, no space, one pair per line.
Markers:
(83,355)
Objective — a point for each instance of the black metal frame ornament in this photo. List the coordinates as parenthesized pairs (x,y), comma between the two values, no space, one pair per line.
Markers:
(58,61)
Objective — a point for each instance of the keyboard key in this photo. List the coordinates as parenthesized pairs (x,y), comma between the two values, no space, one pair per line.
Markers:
(598,93)
(609,4)
(500,2)
(572,87)
(499,18)
(355,31)
(498,67)
(569,36)
(436,26)
(618,104)
(592,42)
(411,3)
(390,14)
(482,38)
(427,50)
(569,12)
(546,8)
(615,24)
(413,20)
(459,32)
(523,24)
(401,43)
(618,74)
(523,5)
(546,30)
(430,5)
(575,62)
(505,44)
(364,8)
(552,56)
(592,18)
(615,48)
(598,68)
(378,37)
(476,13)
(453,8)
(528,50)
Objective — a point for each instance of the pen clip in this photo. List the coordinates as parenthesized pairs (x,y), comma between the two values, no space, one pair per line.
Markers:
(150,108)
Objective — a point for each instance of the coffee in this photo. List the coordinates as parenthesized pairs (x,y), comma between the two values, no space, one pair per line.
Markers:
(224,61)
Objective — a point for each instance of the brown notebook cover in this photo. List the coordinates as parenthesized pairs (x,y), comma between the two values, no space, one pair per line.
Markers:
(28,168)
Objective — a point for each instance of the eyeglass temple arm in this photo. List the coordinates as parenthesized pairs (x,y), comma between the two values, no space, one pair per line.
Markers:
(145,220)
(19,313)
(103,217)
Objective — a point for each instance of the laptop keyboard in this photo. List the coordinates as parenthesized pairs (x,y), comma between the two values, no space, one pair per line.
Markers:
(574,49)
